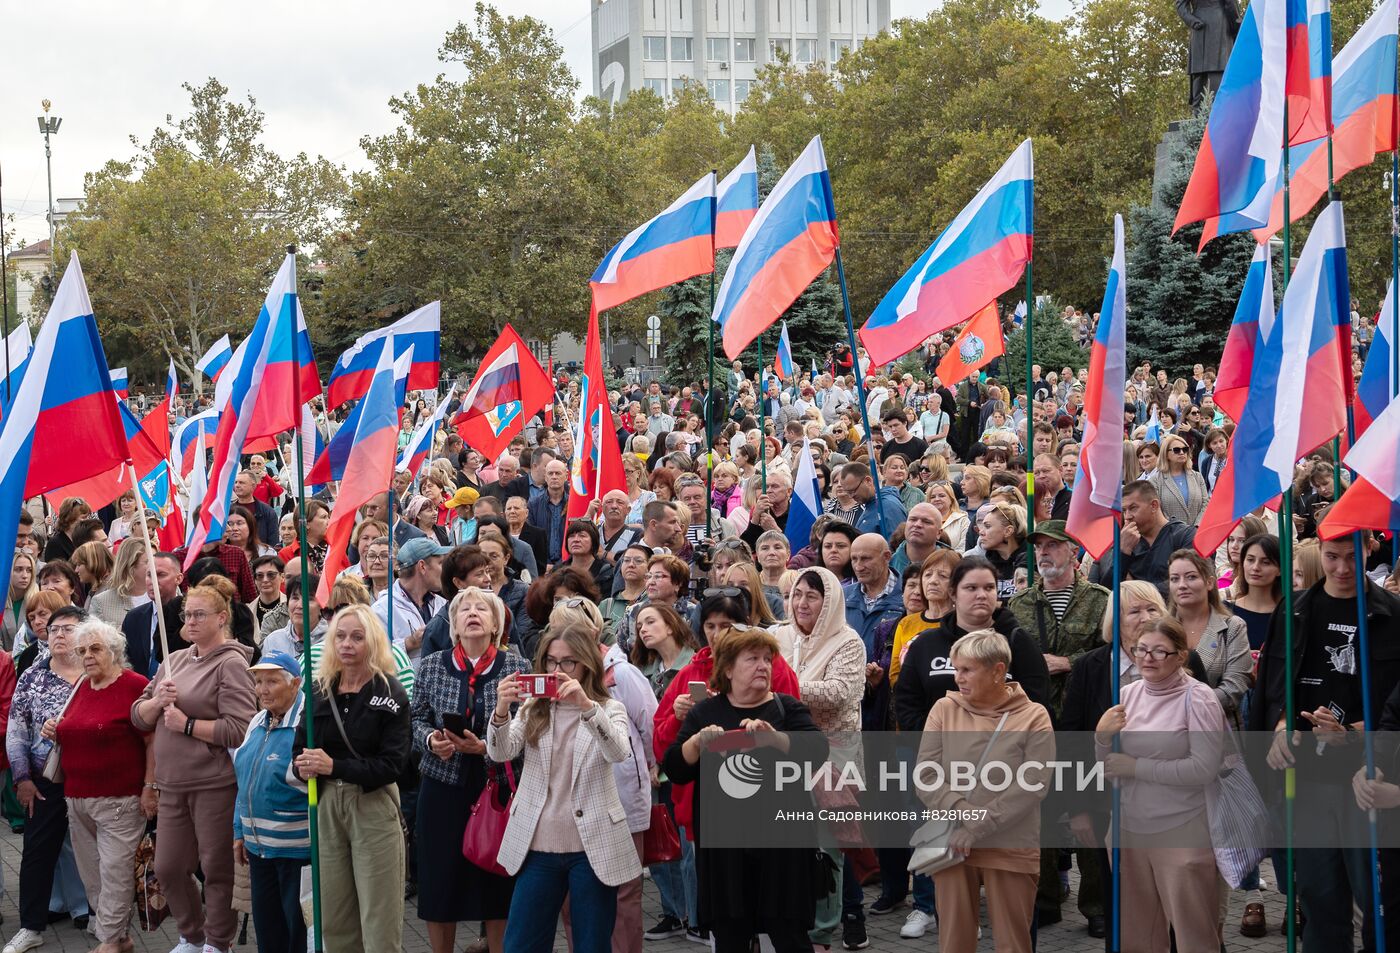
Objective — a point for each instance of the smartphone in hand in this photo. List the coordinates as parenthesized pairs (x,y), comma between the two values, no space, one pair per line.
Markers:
(455,723)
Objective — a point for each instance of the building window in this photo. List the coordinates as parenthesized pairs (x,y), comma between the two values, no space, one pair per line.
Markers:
(717,49)
(741,89)
(776,46)
(839,48)
(719,90)
(657,86)
(806,51)
(678,85)
(743,50)
(682,48)
(654,48)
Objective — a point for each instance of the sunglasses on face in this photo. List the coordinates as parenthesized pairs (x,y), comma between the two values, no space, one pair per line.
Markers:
(728,591)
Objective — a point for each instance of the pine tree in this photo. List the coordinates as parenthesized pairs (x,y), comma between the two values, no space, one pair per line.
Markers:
(1055,347)
(1180,304)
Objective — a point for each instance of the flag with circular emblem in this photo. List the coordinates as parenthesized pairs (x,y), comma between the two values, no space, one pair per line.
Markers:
(977,345)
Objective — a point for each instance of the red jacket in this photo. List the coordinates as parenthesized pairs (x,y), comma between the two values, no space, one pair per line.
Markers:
(7,697)
(268,490)
(667,727)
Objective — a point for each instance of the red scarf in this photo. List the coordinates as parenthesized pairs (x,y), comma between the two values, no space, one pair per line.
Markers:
(483,664)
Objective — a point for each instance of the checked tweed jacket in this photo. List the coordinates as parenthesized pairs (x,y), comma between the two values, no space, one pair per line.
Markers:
(600,741)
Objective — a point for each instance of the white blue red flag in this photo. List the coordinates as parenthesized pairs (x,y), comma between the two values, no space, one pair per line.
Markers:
(1309,84)
(1255,307)
(736,202)
(239,394)
(290,378)
(806,502)
(16,356)
(191,439)
(1378,384)
(981,254)
(1097,503)
(419,332)
(510,388)
(330,464)
(369,470)
(1373,499)
(413,455)
(675,245)
(1241,151)
(120,383)
(1297,394)
(597,464)
(215,359)
(791,241)
(782,360)
(172,385)
(63,424)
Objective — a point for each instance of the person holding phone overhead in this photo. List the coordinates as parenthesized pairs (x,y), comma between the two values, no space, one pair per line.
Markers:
(567,833)
(455,692)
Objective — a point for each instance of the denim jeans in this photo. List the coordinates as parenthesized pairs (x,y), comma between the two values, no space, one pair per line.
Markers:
(275,883)
(894,879)
(675,881)
(541,885)
(1329,879)
(852,893)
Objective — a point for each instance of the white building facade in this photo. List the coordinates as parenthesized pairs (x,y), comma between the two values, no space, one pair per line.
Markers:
(662,44)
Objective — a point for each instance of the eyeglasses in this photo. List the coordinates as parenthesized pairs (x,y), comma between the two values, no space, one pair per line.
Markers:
(198,615)
(90,649)
(267,576)
(1159,655)
(565,665)
(729,591)
(570,602)
(1177,450)
(62,629)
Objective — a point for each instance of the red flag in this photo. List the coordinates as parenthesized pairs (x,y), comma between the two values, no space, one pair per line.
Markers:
(597,464)
(549,407)
(509,389)
(977,345)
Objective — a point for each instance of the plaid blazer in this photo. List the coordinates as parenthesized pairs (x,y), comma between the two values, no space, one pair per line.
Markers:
(601,741)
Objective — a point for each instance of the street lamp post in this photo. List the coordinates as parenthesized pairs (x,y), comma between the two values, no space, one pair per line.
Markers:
(48,126)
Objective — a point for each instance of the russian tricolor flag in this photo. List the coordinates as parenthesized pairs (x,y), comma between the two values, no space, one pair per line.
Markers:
(675,245)
(240,399)
(1371,501)
(805,504)
(510,387)
(214,359)
(289,378)
(1377,384)
(1309,85)
(791,241)
(782,360)
(1097,503)
(419,332)
(172,384)
(982,253)
(736,202)
(120,385)
(1297,396)
(16,356)
(192,439)
(413,455)
(1256,305)
(1241,151)
(332,463)
(63,424)
(369,470)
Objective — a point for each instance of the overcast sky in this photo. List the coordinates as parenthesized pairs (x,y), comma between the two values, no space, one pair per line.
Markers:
(322,72)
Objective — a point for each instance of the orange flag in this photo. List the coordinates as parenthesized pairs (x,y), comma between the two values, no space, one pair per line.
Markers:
(977,345)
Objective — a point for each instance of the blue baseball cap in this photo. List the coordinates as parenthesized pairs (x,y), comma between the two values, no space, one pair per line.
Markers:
(273,661)
(419,548)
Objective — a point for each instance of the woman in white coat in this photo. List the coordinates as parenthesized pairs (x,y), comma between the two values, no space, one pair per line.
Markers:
(568,833)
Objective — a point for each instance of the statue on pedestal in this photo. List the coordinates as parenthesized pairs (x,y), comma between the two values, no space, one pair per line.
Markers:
(1214,25)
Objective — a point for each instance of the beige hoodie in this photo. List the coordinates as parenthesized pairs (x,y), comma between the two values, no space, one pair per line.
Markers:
(1008,820)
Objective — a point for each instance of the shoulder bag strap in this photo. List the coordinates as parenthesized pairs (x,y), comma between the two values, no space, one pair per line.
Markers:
(71,695)
(993,740)
(340,725)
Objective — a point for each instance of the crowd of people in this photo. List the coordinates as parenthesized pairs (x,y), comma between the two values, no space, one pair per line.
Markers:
(162,692)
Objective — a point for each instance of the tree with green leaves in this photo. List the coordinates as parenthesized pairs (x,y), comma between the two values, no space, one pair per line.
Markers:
(1055,347)
(1180,301)
(179,243)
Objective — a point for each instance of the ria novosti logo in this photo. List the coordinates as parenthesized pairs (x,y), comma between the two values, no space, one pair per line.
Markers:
(740,776)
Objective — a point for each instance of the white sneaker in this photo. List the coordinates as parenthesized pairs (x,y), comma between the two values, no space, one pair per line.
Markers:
(211,948)
(915,925)
(185,946)
(25,939)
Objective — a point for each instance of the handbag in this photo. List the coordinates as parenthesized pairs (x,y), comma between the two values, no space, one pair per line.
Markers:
(53,766)
(1235,812)
(930,841)
(151,908)
(661,843)
(486,826)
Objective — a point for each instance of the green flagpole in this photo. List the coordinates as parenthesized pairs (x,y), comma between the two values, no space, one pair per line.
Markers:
(762,435)
(306,597)
(1030,431)
(710,394)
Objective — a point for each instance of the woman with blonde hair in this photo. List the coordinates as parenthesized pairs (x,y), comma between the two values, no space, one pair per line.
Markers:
(726,493)
(24,572)
(459,685)
(976,487)
(1002,533)
(634,469)
(1181,488)
(1307,564)
(361,719)
(745,576)
(562,837)
(93,562)
(955,521)
(128,588)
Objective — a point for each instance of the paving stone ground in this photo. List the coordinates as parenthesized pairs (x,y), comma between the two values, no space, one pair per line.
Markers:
(1068,935)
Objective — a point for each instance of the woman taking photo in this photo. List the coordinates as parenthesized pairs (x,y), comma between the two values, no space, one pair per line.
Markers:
(42,691)
(1181,489)
(361,722)
(747,891)
(933,575)
(108,778)
(1002,533)
(664,645)
(459,686)
(198,705)
(1171,728)
(128,588)
(989,717)
(1260,587)
(568,831)
(1220,640)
